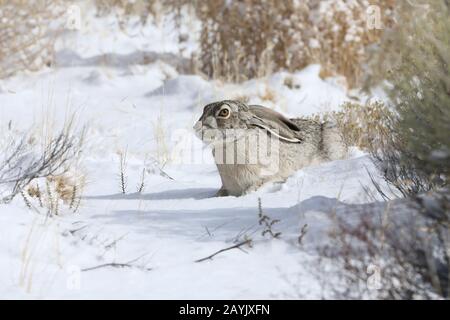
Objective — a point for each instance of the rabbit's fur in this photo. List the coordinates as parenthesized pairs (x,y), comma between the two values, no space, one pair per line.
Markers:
(238,133)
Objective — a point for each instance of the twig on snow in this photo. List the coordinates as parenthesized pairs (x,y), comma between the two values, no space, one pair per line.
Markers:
(236,246)
(128,264)
(303,232)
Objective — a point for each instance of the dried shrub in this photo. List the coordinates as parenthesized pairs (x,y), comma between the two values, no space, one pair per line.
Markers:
(56,194)
(344,31)
(246,39)
(414,155)
(252,38)
(27,34)
(399,250)
(364,126)
(124,9)
(24,160)
(377,129)
(420,85)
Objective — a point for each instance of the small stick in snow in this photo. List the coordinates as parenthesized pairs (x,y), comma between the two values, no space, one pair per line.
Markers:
(79,229)
(112,244)
(303,232)
(128,264)
(236,246)
(114,265)
(141,185)
(165,175)
(207,230)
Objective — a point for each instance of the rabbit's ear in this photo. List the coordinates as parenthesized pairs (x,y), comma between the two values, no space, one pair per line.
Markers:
(275,123)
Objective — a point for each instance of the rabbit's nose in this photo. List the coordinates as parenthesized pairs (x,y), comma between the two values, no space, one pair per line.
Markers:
(198,126)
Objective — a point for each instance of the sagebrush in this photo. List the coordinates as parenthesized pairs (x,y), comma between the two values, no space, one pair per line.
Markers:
(414,59)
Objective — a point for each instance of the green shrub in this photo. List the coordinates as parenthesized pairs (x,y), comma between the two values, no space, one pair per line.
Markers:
(415,58)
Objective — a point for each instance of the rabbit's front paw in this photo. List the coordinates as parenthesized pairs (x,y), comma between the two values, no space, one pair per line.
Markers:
(222,192)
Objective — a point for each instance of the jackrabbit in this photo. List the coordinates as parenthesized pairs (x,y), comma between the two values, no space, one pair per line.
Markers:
(253,144)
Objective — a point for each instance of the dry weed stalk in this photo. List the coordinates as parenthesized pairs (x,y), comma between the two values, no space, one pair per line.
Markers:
(267,223)
(160,135)
(122,174)
(302,234)
(141,185)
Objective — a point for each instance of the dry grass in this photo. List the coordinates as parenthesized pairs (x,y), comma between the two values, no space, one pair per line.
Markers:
(240,97)
(247,39)
(160,135)
(239,40)
(363,126)
(56,194)
(252,38)
(125,9)
(378,130)
(268,94)
(25,34)
(27,158)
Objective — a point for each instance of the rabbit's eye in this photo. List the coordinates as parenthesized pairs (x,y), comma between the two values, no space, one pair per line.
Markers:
(224,113)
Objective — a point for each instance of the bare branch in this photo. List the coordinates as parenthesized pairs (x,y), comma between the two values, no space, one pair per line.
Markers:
(23,163)
(129,264)
(236,246)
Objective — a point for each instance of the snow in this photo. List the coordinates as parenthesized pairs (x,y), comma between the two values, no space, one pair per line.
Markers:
(173,222)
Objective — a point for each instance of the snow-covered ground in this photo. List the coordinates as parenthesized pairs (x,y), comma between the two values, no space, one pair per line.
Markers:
(148,111)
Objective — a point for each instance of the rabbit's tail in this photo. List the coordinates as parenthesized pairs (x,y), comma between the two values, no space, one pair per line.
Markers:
(333,144)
